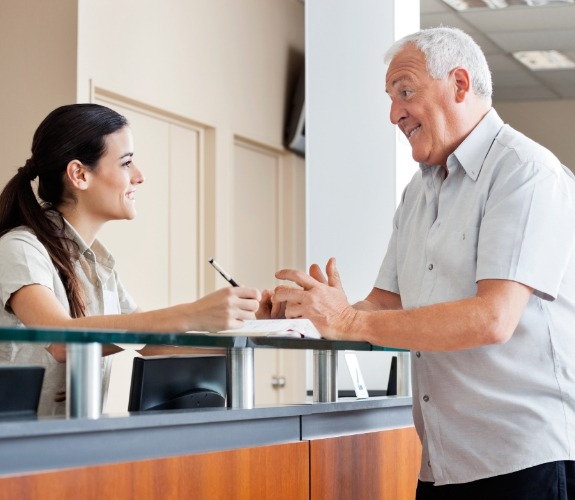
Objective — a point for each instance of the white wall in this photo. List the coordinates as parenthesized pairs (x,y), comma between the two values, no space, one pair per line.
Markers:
(352,152)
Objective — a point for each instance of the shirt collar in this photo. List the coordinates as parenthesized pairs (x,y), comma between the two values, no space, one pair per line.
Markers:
(472,152)
(97,251)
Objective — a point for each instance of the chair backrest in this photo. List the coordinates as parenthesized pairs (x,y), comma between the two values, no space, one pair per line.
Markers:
(20,388)
(177,382)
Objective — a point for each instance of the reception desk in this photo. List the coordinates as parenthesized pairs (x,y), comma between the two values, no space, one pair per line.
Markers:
(348,449)
(315,450)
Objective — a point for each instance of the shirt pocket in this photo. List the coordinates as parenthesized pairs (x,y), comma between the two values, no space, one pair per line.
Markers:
(458,263)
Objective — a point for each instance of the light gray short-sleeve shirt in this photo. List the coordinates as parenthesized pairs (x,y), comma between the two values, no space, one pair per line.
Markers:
(506,210)
(25,261)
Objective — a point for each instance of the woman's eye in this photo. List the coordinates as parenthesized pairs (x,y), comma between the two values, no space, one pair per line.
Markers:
(127,164)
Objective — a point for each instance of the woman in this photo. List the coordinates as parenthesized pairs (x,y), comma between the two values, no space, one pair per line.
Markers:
(53,270)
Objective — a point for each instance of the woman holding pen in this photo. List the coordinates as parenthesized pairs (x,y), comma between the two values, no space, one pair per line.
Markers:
(53,270)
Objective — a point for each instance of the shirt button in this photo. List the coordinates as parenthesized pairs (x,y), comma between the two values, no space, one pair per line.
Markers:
(418,354)
(426,398)
(430,267)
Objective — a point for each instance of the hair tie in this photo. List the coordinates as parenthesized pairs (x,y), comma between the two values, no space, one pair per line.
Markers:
(29,169)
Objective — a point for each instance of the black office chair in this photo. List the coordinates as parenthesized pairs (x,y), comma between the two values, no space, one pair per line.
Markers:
(20,388)
(177,382)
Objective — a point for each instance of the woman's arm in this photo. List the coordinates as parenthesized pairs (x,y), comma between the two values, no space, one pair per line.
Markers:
(36,305)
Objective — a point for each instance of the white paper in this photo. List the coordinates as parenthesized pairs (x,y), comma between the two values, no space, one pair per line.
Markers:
(299,328)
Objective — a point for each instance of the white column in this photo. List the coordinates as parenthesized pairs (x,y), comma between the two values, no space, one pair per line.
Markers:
(356,166)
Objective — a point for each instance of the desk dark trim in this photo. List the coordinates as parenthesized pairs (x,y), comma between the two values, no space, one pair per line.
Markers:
(49,444)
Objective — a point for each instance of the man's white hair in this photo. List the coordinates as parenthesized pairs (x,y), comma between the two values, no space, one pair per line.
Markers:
(445,49)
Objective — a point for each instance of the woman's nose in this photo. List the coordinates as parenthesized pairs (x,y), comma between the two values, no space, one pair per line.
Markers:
(137,176)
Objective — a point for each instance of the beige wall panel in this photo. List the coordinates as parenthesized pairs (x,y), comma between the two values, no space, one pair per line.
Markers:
(255,225)
(293,203)
(38,60)
(223,63)
(184,219)
(547,122)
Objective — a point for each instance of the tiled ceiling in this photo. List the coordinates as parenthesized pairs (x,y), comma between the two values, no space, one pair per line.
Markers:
(500,32)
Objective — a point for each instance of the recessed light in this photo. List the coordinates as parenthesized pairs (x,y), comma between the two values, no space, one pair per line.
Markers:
(500,4)
(538,60)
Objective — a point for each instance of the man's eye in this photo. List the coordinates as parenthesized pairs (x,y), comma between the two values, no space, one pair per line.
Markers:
(405,93)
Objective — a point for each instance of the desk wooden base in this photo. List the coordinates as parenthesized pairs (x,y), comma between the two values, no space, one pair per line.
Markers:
(274,472)
(375,465)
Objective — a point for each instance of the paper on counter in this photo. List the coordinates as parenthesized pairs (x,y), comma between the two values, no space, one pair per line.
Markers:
(299,328)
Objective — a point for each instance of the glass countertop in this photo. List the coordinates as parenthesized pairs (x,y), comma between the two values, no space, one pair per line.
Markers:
(190,339)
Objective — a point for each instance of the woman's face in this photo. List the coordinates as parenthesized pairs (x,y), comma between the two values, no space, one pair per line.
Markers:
(112,188)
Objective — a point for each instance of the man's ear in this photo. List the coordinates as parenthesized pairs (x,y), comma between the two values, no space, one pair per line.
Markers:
(77,174)
(462,82)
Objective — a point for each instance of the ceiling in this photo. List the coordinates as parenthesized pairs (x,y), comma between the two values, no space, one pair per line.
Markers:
(500,32)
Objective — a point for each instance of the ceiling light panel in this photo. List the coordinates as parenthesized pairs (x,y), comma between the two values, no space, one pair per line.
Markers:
(500,4)
(541,60)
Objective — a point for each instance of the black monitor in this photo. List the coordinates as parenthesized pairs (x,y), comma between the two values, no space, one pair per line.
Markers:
(295,126)
(20,388)
(177,382)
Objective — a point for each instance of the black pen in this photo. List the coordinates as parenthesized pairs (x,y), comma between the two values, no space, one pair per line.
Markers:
(225,275)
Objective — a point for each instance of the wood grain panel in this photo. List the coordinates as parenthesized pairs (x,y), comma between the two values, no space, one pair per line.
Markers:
(271,472)
(378,465)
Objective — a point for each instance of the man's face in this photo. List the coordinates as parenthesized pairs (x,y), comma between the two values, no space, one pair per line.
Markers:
(422,107)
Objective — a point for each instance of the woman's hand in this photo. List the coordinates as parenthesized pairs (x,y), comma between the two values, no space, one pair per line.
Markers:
(224,309)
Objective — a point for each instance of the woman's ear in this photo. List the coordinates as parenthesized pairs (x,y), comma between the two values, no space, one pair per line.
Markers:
(77,174)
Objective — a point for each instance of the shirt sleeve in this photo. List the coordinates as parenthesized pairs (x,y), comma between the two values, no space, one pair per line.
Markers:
(23,261)
(527,232)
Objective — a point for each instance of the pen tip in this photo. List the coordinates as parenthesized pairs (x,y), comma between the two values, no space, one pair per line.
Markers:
(211,261)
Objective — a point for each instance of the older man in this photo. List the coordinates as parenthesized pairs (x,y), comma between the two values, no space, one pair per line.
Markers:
(478,281)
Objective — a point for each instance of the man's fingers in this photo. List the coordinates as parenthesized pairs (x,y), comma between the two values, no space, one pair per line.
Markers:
(293,311)
(333,278)
(278,309)
(315,272)
(298,277)
(285,293)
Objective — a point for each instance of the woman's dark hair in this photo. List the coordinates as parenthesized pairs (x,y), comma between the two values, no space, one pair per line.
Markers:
(72,132)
